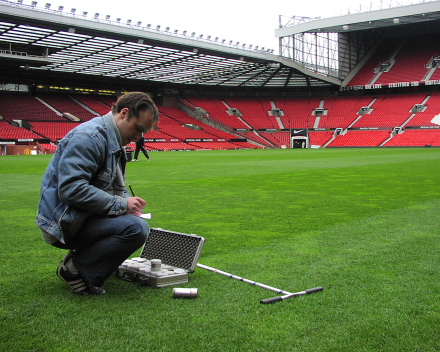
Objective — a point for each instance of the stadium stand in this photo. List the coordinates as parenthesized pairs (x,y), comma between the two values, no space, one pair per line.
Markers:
(318,138)
(53,130)
(96,104)
(360,139)
(22,106)
(254,112)
(387,112)
(277,138)
(298,112)
(67,106)
(217,111)
(342,111)
(430,110)
(10,132)
(390,111)
(380,56)
(411,60)
(415,138)
(402,59)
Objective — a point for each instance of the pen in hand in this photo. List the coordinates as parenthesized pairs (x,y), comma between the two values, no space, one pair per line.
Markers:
(144,216)
(131,189)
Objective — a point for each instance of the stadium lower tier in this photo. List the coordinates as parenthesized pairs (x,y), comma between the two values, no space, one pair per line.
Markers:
(366,121)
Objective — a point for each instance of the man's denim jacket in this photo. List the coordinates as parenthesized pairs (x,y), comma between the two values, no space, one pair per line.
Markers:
(80,171)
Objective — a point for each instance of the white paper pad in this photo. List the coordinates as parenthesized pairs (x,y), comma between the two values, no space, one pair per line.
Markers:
(146,216)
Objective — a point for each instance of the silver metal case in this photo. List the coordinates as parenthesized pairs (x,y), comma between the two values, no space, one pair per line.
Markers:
(178,253)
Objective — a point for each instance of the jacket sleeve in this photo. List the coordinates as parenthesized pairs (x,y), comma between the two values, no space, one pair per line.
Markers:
(82,179)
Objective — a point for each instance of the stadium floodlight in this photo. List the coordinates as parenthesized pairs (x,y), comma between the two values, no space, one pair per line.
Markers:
(107,17)
(60,8)
(47,6)
(184,32)
(201,36)
(72,11)
(158,27)
(175,31)
(34,3)
(216,39)
(262,49)
(230,42)
(256,48)
(208,37)
(250,47)
(223,41)
(96,15)
(19,1)
(118,20)
(167,29)
(193,34)
(243,46)
(128,22)
(237,44)
(148,25)
(138,23)
(85,13)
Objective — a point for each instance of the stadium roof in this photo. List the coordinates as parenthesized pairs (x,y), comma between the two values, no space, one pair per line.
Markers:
(43,45)
(51,44)
(387,18)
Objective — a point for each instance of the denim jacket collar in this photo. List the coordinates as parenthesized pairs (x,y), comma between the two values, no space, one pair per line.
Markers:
(114,136)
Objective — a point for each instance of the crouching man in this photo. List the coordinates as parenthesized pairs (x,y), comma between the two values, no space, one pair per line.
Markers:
(84,206)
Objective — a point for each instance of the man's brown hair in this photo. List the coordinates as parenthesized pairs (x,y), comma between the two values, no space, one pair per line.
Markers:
(136,102)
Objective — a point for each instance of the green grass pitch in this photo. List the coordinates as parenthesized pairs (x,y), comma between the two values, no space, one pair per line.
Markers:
(362,223)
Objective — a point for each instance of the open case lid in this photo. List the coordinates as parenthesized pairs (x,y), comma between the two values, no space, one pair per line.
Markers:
(173,248)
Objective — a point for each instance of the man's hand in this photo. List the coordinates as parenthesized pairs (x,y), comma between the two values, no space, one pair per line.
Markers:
(135,205)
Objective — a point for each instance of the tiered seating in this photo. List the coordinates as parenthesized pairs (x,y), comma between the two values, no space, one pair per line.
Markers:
(277,138)
(342,111)
(255,138)
(157,134)
(49,148)
(423,118)
(319,138)
(254,112)
(107,100)
(23,106)
(217,111)
(360,139)
(213,145)
(415,138)
(245,145)
(94,103)
(10,132)
(384,52)
(169,146)
(410,61)
(183,118)
(53,130)
(65,105)
(175,130)
(297,111)
(390,111)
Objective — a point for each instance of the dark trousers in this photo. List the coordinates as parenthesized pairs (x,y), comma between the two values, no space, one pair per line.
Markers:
(136,153)
(103,243)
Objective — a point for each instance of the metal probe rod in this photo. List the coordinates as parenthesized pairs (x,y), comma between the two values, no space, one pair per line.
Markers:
(277,290)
